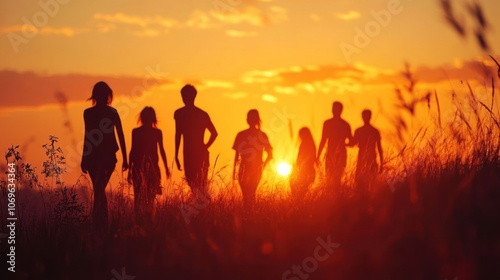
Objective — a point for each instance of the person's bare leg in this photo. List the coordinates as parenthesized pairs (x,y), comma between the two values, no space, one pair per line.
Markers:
(100,179)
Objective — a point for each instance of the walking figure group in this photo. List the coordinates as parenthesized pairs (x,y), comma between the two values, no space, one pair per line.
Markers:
(102,123)
(337,136)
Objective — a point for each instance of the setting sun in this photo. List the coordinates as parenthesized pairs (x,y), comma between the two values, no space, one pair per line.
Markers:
(250,139)
(284,169)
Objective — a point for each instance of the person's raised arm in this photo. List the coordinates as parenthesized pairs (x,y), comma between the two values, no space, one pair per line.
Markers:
(177,144)
(163,154)
(322,142)
(213,134)
(121,139)
(380,153)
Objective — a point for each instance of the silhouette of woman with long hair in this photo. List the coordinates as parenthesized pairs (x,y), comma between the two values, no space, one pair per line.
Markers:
(249,146)
(303,172)
(144,172)
(100,147)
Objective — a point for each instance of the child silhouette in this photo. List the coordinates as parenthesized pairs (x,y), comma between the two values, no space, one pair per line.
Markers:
(303,172)
(144,172)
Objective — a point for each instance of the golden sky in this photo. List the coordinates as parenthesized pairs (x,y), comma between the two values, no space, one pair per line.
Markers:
(288,59)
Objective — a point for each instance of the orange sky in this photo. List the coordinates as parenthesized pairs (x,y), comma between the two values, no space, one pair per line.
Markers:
(288,59)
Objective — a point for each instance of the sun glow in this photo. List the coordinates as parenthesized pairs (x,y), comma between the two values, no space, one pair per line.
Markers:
(284,169)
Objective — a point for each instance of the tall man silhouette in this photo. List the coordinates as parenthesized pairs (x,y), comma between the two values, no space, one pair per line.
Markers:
(335,133)
(368,139)
(190,124)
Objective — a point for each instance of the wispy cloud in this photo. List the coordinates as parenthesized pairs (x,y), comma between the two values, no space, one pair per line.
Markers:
(146,26)
(46,30)
(143,21)
(240,33)
(278,14)
(246,15)
(348,78)
(348,15)
(252,15)
(280,83)
(201,20)
(236,95)
(285,90)
(269,98)
(123,18)
(41,88)
(217,84)
(259,76)
(102,23)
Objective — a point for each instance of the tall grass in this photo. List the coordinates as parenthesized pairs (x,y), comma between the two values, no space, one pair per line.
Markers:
(434,214)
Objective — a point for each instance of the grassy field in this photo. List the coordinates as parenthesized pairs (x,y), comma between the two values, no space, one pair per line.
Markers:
(434,214)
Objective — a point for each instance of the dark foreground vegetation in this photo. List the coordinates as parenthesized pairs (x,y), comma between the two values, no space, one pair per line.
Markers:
(434,214)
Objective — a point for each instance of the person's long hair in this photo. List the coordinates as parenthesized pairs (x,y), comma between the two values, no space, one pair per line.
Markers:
(147,117)
(101,94)
(307,148)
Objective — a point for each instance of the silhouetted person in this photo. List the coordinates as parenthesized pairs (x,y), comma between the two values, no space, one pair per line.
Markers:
(368,139)
(100,147)
(335,133)
(144,169)
(303,172)
(249,146)
(190,125)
